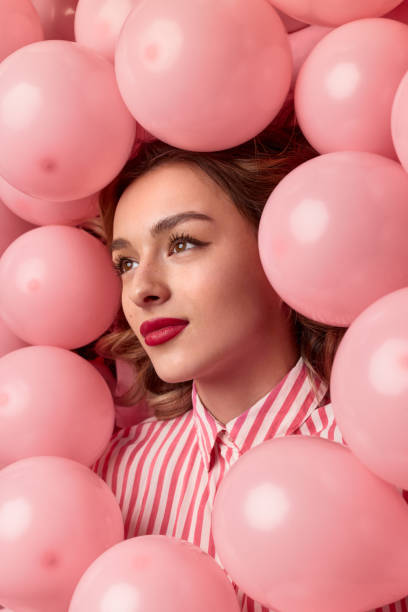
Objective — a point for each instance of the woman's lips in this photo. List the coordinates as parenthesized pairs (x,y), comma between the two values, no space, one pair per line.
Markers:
(163,334)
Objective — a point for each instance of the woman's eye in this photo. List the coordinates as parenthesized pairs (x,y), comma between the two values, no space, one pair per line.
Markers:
(180,242)
(122,265)
(182,239)
(126,265)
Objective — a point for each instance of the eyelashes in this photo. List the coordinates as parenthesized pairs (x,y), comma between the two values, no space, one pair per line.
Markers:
(173,240)
(182,237)
(117,265)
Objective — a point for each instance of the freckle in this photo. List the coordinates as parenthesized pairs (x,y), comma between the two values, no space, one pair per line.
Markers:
(49,559)
(48,164)
(152,52)
(403,360)
(33,284)
(4,398)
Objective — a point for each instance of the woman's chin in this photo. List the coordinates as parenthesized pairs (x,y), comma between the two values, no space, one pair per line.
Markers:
(173,377)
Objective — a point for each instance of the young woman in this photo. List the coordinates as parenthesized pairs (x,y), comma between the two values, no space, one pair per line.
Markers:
(235,366)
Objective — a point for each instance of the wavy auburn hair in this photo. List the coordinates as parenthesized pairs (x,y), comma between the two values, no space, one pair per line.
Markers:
(248,173)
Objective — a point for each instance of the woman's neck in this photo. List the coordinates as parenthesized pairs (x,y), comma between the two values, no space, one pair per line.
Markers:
(249,375)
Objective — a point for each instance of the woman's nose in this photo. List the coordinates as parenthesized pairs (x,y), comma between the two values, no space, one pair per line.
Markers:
(148,285)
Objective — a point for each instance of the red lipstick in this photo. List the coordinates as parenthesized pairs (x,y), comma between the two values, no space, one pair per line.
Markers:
(157,331)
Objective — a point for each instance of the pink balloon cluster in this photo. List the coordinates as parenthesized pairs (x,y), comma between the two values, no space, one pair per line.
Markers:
(332,243)
(287,520)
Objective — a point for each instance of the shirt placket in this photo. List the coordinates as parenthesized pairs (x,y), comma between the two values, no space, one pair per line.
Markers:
(228,451)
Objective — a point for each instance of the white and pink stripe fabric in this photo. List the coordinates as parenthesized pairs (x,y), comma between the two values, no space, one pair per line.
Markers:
(165,474)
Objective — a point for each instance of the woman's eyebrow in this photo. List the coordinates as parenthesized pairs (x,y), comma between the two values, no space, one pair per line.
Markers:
(162,225)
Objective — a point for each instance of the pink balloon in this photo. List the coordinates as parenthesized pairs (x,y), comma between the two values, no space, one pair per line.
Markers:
(98,24)
(53,402)
(399,122)
(99,365)
(56,518)
(301,43)
(332,236)
(43,212)
(125,376)
(58,287)
(57,17)
(369,387)
(400,13)
(11,227)
(301,525)
(322,12)
(126,416)
(126,577)
(8,340)
(64,129)
(197,95)
(19,26)
(345,89)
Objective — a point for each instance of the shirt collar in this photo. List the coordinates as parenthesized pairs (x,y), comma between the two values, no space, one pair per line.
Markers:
(278,413)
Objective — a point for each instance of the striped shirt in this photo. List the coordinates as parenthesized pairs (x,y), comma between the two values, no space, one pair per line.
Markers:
(165,474)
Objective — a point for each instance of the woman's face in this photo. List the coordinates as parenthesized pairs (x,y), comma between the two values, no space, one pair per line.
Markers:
(218,284)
